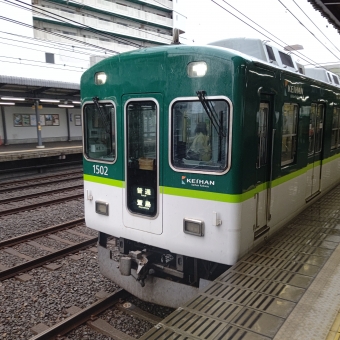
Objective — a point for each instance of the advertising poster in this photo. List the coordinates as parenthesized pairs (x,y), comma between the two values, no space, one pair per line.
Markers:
(48,120)
(55,119)
(17,120)
(26,120)
(77,120)
(33,120)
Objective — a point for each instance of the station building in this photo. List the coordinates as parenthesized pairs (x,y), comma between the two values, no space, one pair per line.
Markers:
(48,44)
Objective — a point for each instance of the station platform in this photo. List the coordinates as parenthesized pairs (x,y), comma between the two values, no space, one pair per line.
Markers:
(288,289)
(16,152)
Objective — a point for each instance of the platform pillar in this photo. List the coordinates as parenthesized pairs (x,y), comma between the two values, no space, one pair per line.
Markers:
(68,126)
(4,125)
(39,146)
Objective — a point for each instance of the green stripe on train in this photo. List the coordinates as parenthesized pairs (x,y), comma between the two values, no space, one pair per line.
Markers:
(213,196)
(103,180)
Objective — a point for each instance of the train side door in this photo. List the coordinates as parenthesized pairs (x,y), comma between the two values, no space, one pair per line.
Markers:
(143,201)
(315,147)
(263,164)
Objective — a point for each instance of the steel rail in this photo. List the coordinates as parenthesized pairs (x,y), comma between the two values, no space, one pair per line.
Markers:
(10,272)
(77,319)
(19,239)
(39,182)
(41,204)
(34,177)
(54,191)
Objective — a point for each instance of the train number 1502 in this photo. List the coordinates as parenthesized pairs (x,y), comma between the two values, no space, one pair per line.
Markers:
(100,170)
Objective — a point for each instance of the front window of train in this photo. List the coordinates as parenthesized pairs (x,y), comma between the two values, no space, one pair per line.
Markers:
(200,134)
(99,131)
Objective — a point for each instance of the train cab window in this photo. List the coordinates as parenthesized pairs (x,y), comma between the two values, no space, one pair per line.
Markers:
(290,114)
(200,135)
(99,131)
(335,128)
(315,128)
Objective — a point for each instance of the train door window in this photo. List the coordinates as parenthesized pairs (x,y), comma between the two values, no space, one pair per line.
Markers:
(290,114)
(99,131)
(262,133)
(141,122)
(335,128)
(315,128)
(200,135)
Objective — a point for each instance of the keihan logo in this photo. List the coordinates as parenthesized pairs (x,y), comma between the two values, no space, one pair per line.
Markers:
(197,182)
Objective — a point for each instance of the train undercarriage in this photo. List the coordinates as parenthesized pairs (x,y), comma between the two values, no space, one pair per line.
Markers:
(156,275)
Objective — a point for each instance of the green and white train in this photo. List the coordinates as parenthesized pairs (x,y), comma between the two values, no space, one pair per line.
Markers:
(193,156)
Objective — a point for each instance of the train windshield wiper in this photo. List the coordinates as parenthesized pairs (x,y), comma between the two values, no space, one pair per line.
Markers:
(102,115)
(213,116)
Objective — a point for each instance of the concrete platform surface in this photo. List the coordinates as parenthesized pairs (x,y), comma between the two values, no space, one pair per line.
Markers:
(15,152)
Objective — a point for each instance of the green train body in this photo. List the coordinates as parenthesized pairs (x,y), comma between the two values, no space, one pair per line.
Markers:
(193,155)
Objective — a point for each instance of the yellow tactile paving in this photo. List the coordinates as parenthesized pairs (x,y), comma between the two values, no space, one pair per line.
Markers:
(334,333)
(286,290)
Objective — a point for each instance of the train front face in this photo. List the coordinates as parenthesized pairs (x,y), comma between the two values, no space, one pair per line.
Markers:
(157,168)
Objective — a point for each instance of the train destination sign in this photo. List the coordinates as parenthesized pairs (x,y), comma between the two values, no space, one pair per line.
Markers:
(143,198)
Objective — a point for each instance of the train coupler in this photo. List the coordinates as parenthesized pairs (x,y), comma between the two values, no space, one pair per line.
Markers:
(137,259)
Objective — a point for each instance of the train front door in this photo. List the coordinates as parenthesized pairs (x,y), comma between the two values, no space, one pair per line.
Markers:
(143,202)
(265,133)
(315,147)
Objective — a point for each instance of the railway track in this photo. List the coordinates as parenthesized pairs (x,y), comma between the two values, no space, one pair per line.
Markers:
(91,316)
(47,192)
(39,181)
(11,206)
(53,253)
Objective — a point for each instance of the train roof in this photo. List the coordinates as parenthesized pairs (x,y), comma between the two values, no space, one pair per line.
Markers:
(206,50)
(168,50)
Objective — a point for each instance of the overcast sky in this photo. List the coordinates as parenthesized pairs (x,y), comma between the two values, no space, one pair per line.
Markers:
(212,20)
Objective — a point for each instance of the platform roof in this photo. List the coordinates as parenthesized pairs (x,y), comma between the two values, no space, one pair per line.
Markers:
(330,9)
(32,89)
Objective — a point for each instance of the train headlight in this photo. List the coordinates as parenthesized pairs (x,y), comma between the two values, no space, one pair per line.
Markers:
(193,227)
(100,78)
(102,208)
(197,69)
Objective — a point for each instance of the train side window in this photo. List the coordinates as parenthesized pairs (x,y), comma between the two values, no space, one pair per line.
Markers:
(199,138)
(315,128)
(290,114)
(99,131)
(335,128)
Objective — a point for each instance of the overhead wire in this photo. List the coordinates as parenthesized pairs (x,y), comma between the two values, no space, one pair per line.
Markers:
(315,25)
(66,20)
(84,26)
(302,56)
(45,65)
(35,49)
(55,44)
(308,29)
(115,15)
(56,34)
